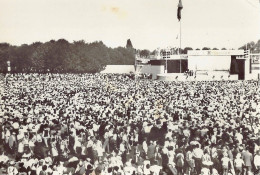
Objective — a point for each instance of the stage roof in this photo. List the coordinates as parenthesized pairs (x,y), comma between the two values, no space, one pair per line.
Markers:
(215,52)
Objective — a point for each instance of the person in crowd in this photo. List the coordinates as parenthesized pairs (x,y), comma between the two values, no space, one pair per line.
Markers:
(180,162)
(225,164)
(12,170)
(257,161)
(248,160)
(238,164)
(198,153)
(81,169)
(111,124)
(44,170)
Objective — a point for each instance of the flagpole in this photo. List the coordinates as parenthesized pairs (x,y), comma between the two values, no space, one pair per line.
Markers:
(135,69)
(180,36)
(180,7)
(180,47)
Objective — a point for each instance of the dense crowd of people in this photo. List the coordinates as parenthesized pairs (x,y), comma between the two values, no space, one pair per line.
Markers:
(82,124)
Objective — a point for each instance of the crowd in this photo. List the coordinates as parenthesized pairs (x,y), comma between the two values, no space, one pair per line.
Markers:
(82,124)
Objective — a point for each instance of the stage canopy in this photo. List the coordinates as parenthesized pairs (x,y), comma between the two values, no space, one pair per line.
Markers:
(209,63)
(211,60)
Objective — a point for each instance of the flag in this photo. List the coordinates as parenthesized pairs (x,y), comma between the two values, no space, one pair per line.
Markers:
(180,7)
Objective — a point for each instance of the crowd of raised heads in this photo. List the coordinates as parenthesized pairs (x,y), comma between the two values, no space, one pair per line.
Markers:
(108,124)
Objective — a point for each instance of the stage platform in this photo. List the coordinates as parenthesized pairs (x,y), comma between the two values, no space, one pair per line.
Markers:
(200,77)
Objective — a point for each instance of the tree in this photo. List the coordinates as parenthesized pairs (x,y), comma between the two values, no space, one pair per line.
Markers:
(39,57)
(4,56)
(21,58)
(197,49)
(257,47)
(223,48)
(185,51)
(145,53)
(205,48)
(250,46)
(62,56)
(215,48)
(154,52)
(129,44)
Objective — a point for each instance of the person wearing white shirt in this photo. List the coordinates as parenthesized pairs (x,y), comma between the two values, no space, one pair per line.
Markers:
(155,169)
(61,169)
(145,147)
(257,160)
(168,134)
(225,161)
(129,169)
(146,167)
(21,147)
(122,147)
(55,171)
(3,160)
(205,171)
(198,153)
(99,149)
(16,125)
(238,163)
(77,143)
(12,170)
(20,136)
(7,135)
(239,137)
(39,166)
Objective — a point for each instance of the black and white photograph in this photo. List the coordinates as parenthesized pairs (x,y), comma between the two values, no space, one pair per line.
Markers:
(129,87)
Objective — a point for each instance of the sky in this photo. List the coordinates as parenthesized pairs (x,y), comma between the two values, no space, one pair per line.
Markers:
(150,24)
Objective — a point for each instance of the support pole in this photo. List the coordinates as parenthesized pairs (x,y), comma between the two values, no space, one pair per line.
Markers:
(166,60)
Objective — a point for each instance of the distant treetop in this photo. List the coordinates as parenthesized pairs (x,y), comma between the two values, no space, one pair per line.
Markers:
(129,44)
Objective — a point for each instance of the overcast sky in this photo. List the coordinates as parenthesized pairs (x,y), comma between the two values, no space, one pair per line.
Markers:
(148,23)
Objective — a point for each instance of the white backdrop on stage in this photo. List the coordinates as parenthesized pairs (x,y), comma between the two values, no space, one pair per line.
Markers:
(209,63)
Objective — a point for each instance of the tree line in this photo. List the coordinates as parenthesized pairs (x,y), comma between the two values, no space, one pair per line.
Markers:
(62,56)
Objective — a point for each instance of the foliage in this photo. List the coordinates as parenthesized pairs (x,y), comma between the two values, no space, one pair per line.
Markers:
(145,53)
(252,46)
(205,48)
(185,51)
(62,57)
(129,44)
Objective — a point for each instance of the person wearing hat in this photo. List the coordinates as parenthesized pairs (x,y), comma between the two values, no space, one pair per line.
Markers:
(89,170)
(12,170)
(44,170)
